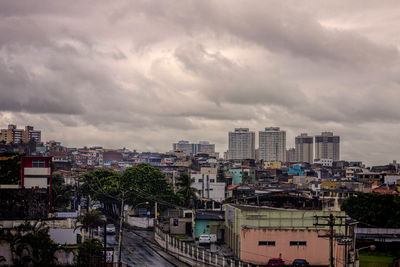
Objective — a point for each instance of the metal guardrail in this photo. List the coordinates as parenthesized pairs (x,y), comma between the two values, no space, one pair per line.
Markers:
(192,254)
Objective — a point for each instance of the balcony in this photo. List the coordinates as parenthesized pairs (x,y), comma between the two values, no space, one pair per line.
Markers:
(35,183)
(37,171)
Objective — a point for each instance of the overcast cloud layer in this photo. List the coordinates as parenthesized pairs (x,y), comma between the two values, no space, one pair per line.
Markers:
(145,74)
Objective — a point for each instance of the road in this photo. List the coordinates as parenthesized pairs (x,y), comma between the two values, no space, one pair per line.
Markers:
(140,253)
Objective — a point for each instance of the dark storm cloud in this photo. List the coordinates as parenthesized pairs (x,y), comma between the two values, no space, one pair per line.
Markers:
(160,71)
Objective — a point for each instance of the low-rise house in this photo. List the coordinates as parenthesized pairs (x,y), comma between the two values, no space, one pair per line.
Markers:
(256,234)
(207,186)
(209,222)
(243,174)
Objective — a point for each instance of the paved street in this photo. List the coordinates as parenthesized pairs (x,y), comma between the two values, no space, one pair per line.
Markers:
(142,253)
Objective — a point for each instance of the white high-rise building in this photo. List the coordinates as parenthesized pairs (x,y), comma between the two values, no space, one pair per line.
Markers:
(272,144)
(241,144)
(327,146)
(304,148)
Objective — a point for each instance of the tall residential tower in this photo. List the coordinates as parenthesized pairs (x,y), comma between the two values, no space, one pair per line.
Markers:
(241,144)
(272,144)
(304,148)
(327,146)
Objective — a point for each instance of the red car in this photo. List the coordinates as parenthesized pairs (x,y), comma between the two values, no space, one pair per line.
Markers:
(275,262)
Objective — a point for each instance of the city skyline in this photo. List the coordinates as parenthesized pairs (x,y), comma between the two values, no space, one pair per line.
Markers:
(89,74)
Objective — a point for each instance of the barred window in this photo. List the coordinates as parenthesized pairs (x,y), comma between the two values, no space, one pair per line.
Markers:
(266,243)
(298,243)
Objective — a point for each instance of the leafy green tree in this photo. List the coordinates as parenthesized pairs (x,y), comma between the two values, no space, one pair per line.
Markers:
(62,193)
(89,252)
(374,210)
(10,167)
(186,191)
(135,185)
(90,221)
(101,184)
(145,182)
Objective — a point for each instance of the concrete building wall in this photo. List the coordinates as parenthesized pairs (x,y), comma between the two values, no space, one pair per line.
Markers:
(273,165)
(304,148)
(272,144)
(207,227)
(259,245)
(208,187)
(179,229)
(237,175)
(327,146)
(291,155)
(248,217)
(241,144)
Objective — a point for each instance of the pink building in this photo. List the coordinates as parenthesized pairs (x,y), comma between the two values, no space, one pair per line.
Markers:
(260,244)
(256,234)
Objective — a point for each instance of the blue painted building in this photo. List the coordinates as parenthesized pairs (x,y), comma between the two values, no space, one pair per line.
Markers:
(237,174)
(209,222)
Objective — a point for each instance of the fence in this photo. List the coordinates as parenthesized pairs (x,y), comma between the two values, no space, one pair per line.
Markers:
(192,254)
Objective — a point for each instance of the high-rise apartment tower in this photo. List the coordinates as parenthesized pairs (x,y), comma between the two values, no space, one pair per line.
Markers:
(327,146)
(272,144)
(304,148)
(241,144)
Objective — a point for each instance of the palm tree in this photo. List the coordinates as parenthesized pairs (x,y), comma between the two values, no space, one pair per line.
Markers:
(89,221)
(89,253)
(31,244)
(186,191)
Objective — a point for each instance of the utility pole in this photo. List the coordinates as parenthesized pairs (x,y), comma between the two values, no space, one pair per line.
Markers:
(330,221)
(121,221)
(155,211)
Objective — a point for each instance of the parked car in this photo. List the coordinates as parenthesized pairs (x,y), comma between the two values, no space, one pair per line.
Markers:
(204,239)
(275,262)
(110,228)
(300,263)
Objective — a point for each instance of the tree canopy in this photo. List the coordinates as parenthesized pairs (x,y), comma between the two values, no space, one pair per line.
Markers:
(374,210)
(136,184)
(10,167)
(62,193)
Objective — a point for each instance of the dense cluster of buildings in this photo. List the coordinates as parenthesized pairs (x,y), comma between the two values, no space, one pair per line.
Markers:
(268,198)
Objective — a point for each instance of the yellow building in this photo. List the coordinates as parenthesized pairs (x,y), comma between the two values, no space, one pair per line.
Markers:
(272,165)
(328,185)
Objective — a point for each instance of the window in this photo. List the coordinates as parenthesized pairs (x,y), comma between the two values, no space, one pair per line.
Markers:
(212,180)
(38,164)
(298,243)
(266,243)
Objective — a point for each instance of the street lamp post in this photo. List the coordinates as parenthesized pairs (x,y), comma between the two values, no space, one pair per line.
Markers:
(357,261)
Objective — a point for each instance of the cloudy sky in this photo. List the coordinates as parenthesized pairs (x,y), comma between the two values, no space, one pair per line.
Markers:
(145,74)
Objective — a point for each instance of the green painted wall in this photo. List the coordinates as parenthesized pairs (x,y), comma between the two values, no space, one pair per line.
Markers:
(237,175)
(201,227)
